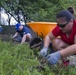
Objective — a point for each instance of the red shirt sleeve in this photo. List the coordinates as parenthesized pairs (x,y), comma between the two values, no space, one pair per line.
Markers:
(56,31)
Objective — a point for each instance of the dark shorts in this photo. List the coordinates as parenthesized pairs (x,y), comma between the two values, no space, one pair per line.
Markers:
(18,38)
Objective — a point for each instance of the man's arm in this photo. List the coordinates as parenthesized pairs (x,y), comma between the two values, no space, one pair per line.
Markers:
(15,35)
(23,39)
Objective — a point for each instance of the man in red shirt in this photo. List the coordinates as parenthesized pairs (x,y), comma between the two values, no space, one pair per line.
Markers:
(66,44)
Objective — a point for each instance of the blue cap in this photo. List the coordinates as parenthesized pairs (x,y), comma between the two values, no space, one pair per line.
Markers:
(17,26)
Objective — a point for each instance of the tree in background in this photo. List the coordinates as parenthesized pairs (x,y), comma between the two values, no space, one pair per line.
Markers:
(37,10)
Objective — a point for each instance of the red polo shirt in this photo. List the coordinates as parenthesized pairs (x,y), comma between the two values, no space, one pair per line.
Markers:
(57,32)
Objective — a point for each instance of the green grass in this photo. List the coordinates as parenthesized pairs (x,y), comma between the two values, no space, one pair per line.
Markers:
(21,60)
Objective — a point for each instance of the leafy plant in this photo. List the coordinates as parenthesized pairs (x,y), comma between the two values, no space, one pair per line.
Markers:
(21,60)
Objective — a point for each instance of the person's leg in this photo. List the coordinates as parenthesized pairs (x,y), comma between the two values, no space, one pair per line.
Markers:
(54,57)
(23,39)
(65,50)
(70,50)
(28,37)
(18,39)
(58,44)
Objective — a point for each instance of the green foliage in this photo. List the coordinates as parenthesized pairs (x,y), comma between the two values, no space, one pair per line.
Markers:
(37,10)
(16,60)
(21,60)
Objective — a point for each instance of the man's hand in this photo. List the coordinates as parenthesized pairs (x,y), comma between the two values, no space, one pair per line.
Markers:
(43,51)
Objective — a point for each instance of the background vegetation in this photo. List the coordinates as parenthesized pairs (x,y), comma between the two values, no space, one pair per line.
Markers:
(36,10)
(21,60)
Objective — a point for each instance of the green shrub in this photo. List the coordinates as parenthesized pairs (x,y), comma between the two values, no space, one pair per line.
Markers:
(19,59)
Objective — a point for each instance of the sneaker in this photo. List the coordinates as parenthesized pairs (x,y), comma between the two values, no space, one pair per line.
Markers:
(65,63)
(68,63)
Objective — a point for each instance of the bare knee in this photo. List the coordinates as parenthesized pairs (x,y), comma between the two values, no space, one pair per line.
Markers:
(28,37)
(58,44)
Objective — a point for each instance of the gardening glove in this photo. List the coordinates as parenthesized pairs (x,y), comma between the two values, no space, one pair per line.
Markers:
(53,58)
(43,51)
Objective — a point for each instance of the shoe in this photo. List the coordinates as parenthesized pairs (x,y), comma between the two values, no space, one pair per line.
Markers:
(65,63)
(68,63)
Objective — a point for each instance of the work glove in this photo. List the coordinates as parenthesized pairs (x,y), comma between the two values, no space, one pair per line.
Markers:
(53,58)
(43,51)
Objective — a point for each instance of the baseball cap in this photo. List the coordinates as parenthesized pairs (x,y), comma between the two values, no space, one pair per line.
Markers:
(17,26)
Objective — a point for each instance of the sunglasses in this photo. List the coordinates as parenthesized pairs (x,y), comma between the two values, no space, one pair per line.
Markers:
(62,25)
